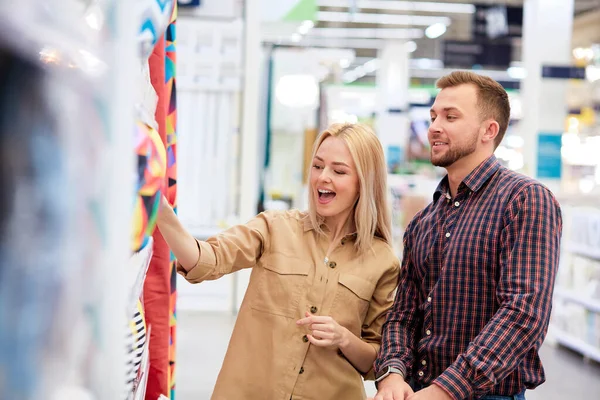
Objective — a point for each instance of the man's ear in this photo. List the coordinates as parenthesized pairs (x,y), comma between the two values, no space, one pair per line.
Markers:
(491,129)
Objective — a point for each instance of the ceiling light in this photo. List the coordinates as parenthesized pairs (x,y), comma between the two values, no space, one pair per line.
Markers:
(517,72)
(305,27)
(388,19)
(344,63)
(371,65)
(296,37)
(592,73)
(435,30)
(426,6)
(410,46)
(324,42)
(365,33)
(349,76)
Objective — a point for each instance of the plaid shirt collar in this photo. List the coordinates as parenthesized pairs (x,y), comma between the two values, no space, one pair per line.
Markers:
(474,181)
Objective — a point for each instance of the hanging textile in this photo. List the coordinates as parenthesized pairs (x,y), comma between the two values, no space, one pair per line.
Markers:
(171,127)
(151,167)
(157,286)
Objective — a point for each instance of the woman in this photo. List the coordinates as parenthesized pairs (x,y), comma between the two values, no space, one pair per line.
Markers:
(321,284)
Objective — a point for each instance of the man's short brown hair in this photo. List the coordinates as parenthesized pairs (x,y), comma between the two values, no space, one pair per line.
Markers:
(492,99)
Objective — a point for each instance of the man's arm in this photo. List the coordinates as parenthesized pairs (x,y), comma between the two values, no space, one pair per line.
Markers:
(530,246)
(400,327)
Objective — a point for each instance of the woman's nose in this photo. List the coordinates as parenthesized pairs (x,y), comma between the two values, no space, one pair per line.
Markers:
(324,177)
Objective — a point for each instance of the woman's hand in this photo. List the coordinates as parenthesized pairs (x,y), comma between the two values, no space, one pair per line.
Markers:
(325,331)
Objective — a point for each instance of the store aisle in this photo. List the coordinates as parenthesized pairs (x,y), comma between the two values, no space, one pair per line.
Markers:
(202,342)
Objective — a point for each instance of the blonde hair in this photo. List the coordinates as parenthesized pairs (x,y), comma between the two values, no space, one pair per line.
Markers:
(372,215)
(492,99)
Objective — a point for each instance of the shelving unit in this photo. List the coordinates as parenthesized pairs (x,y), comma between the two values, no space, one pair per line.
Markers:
(575,322)
(579,345)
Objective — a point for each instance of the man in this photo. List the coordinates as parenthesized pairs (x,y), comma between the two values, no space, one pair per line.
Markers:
(476,282)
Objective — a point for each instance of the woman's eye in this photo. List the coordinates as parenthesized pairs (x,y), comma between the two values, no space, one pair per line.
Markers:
(451,117)
(340,172)
(316,166)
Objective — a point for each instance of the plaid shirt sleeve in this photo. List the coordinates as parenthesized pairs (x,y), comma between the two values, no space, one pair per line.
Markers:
(530,245)
(401,324)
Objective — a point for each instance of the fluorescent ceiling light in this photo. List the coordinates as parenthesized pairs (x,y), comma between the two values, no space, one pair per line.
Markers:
(341,43)
(410,46)
(388,19)
(435,31)
(423,6)
(305,27)
(367,33)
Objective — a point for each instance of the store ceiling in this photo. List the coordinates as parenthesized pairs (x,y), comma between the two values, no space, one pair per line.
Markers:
(357,24)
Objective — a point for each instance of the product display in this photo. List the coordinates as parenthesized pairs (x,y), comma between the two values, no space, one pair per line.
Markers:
(151,164)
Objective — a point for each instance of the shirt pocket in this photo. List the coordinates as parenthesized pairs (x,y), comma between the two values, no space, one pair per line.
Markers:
(351,301)
(280,286)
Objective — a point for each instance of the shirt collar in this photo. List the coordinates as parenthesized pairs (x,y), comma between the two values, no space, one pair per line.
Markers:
(474,181)
(308,226)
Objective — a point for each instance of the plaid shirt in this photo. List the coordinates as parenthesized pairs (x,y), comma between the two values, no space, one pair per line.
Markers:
(475,287)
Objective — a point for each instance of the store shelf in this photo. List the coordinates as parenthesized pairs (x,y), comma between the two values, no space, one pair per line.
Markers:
(578,345)
(584,251)
(590,304)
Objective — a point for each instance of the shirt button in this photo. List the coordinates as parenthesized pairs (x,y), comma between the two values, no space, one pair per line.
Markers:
(332,264)
(429,299)
(428,332)
(421,373)
(301,370)
(313,309)
(457,204)
(305,339)
(424,362)
(343,241)
(448,234)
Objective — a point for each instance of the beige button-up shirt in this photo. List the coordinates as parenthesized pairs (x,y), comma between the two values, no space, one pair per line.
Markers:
(269,356)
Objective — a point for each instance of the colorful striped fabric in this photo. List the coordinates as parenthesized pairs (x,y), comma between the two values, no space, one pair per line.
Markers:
(151,170)
(170,70)
(154,16)
(136,340)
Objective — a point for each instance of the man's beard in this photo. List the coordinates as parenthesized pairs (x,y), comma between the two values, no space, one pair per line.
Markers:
(452,155)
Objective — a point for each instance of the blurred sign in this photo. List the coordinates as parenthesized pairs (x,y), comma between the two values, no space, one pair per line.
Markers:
(494,22)
(188,3)
(466,54)
(549,157)
(563,72)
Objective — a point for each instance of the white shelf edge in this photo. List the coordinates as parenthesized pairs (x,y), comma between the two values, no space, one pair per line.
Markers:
(577,344)
(590,304)
(583,251)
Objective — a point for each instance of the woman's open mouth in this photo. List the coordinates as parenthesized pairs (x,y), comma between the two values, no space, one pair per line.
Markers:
(325,196)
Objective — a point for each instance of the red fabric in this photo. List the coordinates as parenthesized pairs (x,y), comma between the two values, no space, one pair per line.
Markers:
(157,287)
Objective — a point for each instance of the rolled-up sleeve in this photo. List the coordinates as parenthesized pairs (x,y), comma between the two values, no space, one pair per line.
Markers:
(236,248)
(383,298)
